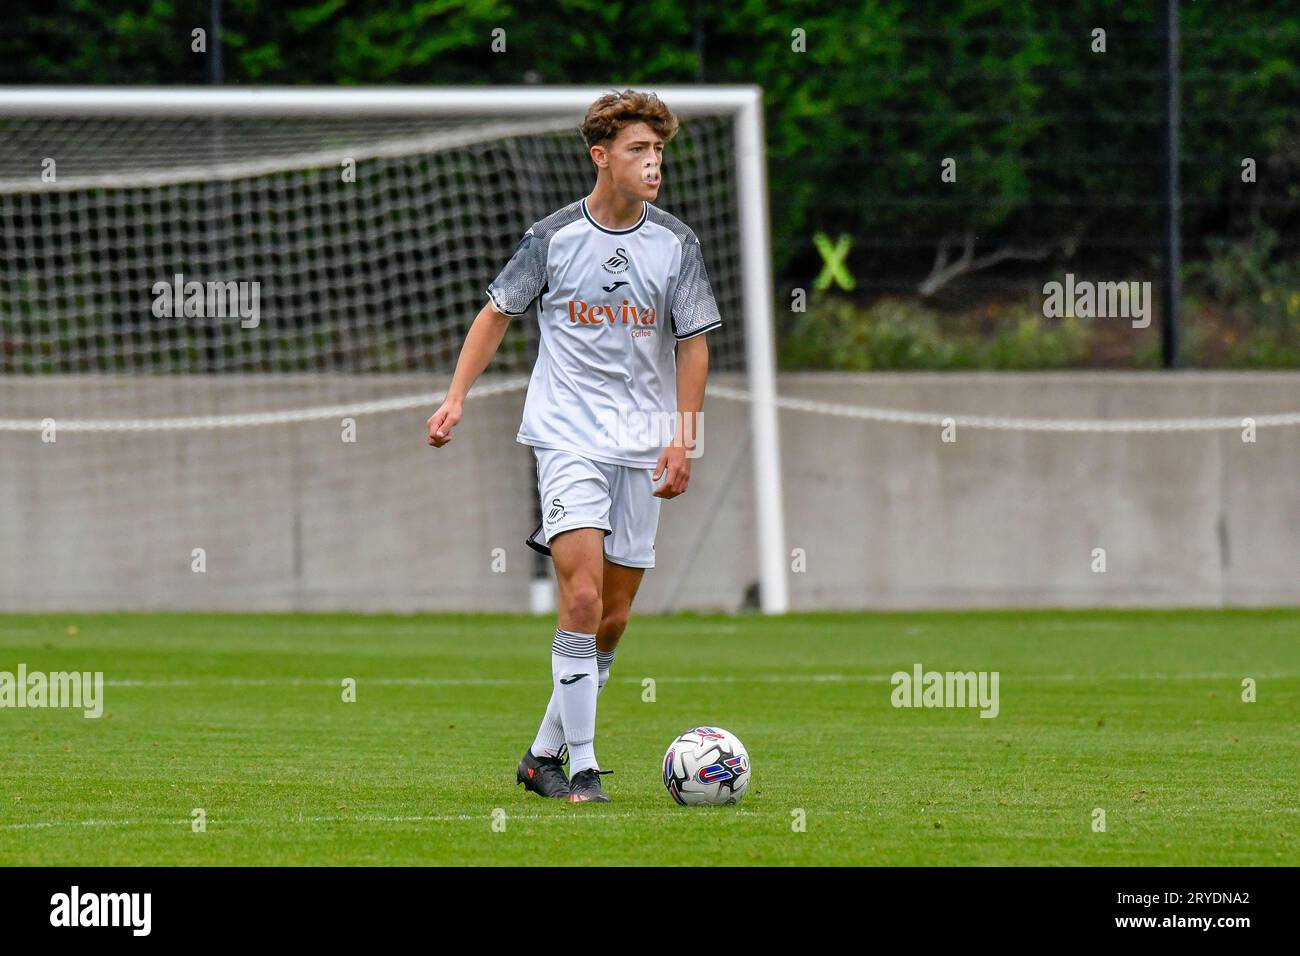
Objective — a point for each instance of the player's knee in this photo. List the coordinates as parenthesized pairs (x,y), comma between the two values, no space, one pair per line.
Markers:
(583,604)
(612,623)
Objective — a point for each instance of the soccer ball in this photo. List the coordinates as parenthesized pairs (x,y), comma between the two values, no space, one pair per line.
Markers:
(706,765)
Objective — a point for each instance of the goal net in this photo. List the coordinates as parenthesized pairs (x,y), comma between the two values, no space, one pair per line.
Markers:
(224,318)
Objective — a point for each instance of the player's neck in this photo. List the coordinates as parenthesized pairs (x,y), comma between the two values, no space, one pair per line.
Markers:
(611,210)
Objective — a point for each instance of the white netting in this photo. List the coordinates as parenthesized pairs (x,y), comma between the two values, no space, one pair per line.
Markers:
(381,274)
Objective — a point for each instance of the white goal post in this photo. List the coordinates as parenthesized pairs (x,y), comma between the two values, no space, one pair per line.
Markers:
(534,105)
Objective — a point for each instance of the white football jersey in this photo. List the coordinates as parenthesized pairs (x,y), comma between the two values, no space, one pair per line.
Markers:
(612,304)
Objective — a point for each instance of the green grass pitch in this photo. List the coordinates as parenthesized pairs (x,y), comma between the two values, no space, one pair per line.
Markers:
(1137,713)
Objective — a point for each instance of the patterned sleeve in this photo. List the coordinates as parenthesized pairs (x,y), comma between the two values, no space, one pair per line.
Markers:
(522,279)
(694,308)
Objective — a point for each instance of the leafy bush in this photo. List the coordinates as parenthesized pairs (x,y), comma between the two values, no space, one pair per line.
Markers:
(895,333)
(1249,275)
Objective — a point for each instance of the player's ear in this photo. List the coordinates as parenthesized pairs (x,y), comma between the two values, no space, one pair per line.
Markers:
(600,156)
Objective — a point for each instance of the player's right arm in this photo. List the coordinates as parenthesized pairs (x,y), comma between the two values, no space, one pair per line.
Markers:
(482,342)
(510,293)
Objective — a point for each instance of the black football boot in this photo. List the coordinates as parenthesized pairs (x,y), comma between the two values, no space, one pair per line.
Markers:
(544,776)
(585,787)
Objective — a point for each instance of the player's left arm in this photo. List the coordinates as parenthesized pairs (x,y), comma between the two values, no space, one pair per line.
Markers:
(692,371)
(694,314)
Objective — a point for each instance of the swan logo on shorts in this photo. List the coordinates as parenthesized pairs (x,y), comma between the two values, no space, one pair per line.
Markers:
(556,511)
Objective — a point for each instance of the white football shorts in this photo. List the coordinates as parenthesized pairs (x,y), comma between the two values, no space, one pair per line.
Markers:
(577,492)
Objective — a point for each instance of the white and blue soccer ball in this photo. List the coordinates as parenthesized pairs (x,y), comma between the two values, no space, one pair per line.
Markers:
(706,765)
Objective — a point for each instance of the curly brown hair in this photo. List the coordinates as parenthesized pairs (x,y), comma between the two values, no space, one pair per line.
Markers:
(607,117)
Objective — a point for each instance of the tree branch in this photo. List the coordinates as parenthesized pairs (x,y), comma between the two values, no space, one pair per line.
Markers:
(944,272)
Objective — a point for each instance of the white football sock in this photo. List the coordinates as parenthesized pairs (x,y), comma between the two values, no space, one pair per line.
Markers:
(604,660)
(573,670)
(550,735)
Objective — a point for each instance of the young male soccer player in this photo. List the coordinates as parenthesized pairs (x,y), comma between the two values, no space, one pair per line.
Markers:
(623,300)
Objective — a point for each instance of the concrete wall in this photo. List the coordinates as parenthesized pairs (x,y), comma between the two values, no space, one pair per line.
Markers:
(888,516)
